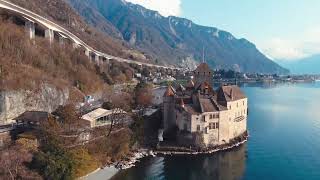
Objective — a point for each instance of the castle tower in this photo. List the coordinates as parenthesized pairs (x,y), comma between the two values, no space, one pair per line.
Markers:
(203,73)
(169,115)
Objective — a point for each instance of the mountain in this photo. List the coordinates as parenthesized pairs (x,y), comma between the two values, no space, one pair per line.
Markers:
(174,40)
(109,40)
(309,65)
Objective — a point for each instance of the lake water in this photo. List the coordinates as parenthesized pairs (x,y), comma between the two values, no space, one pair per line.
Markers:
(284,143)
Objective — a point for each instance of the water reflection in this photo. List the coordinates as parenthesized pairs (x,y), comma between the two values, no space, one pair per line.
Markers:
(227,165)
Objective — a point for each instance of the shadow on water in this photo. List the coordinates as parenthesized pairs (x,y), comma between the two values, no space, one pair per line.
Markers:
(227,165)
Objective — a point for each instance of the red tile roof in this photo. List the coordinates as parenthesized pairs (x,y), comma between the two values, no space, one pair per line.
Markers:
(230,93)
(169,92)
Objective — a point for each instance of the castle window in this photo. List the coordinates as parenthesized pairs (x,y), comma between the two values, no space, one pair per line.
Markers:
(230,107)
(211,116)
(243,102)
(217,125)
(198,128)
(212,125)
(218,116)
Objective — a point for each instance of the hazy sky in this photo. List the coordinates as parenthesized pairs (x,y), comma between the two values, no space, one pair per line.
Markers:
(282,29)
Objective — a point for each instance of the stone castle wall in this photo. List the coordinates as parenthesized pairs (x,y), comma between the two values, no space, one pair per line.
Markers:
(238,110)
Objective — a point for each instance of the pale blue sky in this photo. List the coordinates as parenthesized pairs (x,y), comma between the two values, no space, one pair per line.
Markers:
(282,29)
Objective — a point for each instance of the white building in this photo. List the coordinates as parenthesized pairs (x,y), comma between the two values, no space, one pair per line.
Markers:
(103,117)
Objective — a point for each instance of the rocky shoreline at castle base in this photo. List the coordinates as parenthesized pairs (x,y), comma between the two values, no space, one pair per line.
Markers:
(177,150)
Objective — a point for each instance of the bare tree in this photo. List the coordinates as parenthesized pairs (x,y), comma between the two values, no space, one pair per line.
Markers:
(143,97)
(13,163)
(120,106)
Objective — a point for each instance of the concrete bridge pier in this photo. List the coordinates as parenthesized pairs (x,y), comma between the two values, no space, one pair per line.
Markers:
(30,29)
(61,40)
(88,53)
(105,60)
(97,59)
(49,34)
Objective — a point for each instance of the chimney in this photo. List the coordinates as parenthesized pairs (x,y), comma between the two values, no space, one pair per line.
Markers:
(231,94)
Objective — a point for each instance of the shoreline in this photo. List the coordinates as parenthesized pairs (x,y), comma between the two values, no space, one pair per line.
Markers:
(108,172)
(101,173)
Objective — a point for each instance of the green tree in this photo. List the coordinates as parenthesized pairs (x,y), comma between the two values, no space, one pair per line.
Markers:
(54,162)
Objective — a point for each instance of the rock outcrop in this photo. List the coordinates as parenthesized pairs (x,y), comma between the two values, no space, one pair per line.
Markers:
(46,98)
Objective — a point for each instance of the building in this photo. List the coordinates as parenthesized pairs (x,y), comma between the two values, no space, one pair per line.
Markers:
(202,74)
(32,118)
(102,117)
(202,115)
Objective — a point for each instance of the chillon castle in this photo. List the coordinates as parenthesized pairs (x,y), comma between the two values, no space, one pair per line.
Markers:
(203,116)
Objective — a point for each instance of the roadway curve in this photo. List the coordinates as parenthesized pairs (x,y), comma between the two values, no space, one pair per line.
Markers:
(57,28)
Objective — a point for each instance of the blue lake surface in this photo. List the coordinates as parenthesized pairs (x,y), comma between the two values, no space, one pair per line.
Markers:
(284,143)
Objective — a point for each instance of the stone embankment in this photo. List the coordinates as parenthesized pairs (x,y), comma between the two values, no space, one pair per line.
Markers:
(177,150)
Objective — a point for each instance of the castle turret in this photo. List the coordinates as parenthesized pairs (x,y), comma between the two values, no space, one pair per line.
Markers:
(169,115)
(203,73)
